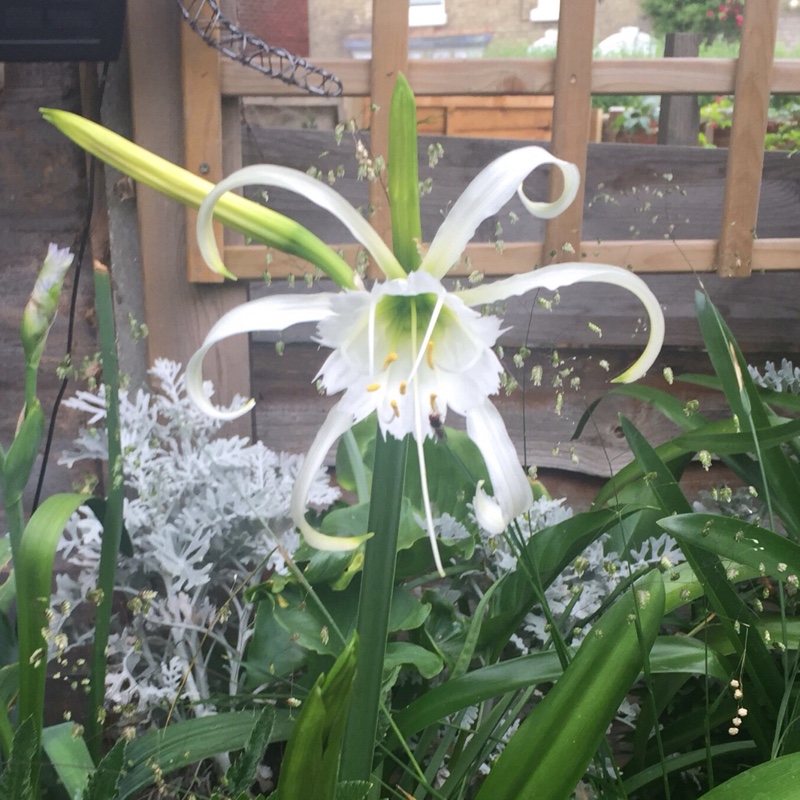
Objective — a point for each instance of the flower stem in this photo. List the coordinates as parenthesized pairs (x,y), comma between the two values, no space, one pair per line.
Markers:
(112,521)
(377,584)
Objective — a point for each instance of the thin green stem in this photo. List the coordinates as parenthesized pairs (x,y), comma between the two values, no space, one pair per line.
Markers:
(31,380)
(356,465)
(377,583)
(112,522)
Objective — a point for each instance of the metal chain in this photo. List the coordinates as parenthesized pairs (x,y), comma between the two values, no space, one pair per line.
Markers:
(207,20)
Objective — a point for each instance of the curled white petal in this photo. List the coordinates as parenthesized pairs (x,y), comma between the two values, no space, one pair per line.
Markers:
(512,490)
(558,275)
(264,314)
(312,189)
(336,423)
(489,191)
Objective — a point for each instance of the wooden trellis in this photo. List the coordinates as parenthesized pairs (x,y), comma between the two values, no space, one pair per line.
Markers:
(572,77)
(185,107)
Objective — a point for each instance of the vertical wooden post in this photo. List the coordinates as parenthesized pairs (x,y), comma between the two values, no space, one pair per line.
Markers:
(178,314)
(746,151)
(202,135)
(572,85)
(679,120)
(389,58)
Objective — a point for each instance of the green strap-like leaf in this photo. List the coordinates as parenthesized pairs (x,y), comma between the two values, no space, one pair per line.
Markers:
(188,742)
(757,547)
(34,571)
(22,454)
(774,780)
(669,654)
(242,773)
(733,614)
(104,781)
(404,176)
(310,766)
(551,749)
(70,758)
(15,782)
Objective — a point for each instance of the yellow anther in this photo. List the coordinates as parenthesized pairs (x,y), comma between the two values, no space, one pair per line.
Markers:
(403,387)
(395,408)
(429,354)
(433,402)
(390,359)
(373,387)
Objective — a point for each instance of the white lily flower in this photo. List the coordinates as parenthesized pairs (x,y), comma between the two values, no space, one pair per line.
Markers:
(408,349)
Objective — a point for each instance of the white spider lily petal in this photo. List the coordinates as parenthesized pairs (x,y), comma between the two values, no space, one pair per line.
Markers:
(489,191)
(312,189)
(264,314)
(558,275)
(408,350)
(512,490)
(336,423)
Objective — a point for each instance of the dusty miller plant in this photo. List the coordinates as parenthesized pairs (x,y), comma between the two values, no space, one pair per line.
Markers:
(206,516)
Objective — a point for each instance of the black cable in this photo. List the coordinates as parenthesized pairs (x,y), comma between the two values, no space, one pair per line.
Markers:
(73,303)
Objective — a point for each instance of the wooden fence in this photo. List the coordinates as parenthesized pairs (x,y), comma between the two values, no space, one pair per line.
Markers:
(572,78)
(186,107)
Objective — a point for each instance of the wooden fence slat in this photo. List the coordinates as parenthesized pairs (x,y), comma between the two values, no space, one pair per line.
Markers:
(202,121)
(389,59)
(487,76)
(572,89)
(178,314)
(746,151)
(690,255)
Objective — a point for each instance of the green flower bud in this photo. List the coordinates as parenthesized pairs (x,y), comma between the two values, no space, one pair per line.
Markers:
(43,303)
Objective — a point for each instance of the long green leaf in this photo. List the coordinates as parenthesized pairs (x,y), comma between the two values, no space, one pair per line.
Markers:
(733,614)
(669,655)
(757,547)
(112,518)
(21,456)
(8,589)
(685,761)
(188,742)
(15,782)
(69,756)
(34,570)
(310,765)
(242,773)
(404,176)
(780,476)
(104,781)
(774,780)
(375,601)
(550,751)
(549,551)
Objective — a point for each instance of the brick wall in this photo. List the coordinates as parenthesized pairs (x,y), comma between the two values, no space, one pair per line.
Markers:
(277,22)
(330,23)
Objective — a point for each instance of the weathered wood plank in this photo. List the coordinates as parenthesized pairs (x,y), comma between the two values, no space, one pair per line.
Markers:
(746,151)
(572,89)
(528,76)
(178,314)
(289,410)
(679,117)
(252,262)
(633,192)
(762,312)
(202,135)
(390,48)
(43,200)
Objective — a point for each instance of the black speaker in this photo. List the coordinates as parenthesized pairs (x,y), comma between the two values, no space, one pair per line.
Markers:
(61,30)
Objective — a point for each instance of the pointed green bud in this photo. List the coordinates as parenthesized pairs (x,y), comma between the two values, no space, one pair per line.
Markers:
(404,176)
(43,303)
